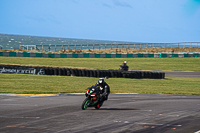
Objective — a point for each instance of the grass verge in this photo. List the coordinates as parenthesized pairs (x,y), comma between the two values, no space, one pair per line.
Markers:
(168,64)
(37,84)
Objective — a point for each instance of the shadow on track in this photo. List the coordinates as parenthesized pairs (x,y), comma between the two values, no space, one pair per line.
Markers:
(117,109)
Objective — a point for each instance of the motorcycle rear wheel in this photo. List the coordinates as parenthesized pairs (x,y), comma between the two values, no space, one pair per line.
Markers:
(85,104)
(97,106)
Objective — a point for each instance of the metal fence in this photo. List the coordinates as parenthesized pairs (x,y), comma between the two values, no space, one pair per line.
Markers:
(109,46)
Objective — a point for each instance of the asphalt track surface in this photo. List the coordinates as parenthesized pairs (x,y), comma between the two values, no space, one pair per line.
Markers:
(182,73)
(122,113)
(179,73)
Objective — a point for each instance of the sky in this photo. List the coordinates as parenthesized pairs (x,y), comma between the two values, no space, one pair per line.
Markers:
(148,21)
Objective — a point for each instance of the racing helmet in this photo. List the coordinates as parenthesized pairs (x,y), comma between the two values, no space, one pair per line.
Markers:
(101,81)
(125,62)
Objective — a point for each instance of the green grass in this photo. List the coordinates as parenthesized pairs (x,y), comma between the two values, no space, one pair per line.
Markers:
(168,64)
(20,83)
(24,83)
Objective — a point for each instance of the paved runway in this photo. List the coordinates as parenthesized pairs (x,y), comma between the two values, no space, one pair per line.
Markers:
(137,113)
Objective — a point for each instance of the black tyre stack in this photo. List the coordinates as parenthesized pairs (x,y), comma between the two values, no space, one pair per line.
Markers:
(91,73)
(104,73)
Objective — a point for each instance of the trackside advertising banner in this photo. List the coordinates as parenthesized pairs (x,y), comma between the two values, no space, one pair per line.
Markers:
(22,70)
(41,70)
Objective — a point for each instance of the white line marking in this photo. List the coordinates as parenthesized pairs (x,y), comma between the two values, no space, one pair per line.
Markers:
(197,131)
(150,124)
(117,121)
(121,121)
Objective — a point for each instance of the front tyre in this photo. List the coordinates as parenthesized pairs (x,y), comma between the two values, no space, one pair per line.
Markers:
(85,103)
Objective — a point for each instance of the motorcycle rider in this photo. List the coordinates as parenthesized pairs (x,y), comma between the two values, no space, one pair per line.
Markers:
(104,89)
(124,67)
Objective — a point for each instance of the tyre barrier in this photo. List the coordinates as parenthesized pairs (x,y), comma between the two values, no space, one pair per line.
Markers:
(105,73)
(81,72)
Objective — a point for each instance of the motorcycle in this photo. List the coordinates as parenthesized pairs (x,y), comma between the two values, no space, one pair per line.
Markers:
(93,98)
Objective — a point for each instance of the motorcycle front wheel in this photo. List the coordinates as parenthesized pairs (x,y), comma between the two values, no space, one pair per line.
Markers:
(85,103)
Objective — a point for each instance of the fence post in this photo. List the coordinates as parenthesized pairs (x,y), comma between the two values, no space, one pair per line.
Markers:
(117,45)
(159,45)
(74,47)
(93,46)
(55,47)
(147,45)
(105,46)
(111,46)
(62,47)
(134,45)
(99,46)
(165,45)
(190,44)
(178,45)
(122,46)
(68,47)
(184,44)
(49,47)
(42,47)
(197,44)
(87,46)
(128,46)
(171,45)
(152,45)
(140,45)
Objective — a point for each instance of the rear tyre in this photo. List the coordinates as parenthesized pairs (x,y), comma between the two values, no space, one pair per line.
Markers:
(97,106)
(85,103)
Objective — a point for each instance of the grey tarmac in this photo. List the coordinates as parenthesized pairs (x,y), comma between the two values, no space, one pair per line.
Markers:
(182,73)
(122,113)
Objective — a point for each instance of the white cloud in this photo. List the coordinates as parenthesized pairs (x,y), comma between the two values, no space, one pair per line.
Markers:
(122,4)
